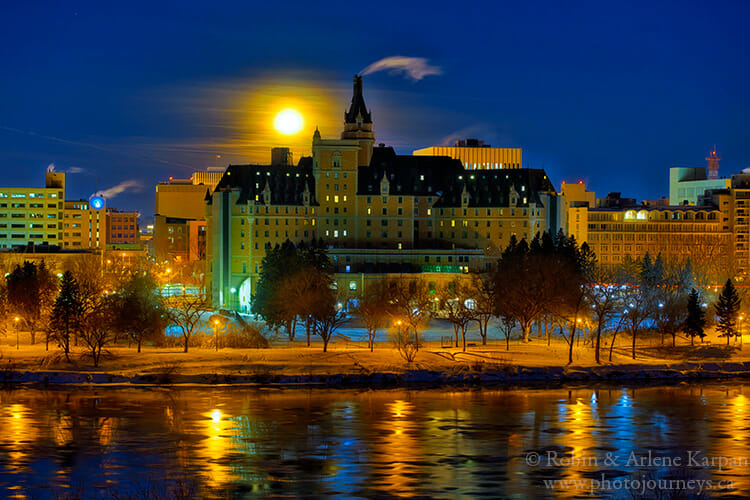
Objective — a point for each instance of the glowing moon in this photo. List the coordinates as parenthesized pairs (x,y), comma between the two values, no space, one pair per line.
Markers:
(288,121)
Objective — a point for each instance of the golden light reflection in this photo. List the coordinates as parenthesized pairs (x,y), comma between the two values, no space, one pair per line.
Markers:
(216,446)
(399,448)
(17,432)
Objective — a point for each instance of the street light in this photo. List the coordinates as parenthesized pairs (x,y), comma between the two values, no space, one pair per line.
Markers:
(17,319)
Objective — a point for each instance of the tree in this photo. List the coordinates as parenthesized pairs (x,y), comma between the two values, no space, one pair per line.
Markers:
(602,294)
(507,323)
(519,281)
(410,302)
(186,312)
(484,302)
(67,312)
(727,308)
(138,308)
(326,320)
(373,310)
(31,289)
(669,303)
(96,328)
(279,296)
(5,312)
(696,317)
(459,303)
(636,310)
(566,282)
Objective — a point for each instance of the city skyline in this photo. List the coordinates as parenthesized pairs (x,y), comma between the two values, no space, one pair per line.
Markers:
(610,96)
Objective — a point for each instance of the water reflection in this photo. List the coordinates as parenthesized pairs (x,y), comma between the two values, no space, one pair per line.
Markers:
(396,443)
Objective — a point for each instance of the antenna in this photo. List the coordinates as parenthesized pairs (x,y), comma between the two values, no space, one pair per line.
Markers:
(713,164)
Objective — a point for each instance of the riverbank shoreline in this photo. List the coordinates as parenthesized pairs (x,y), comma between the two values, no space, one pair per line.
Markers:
(513,376)
(351,365)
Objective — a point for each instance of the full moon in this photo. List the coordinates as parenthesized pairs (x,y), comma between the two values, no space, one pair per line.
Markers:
(288,121)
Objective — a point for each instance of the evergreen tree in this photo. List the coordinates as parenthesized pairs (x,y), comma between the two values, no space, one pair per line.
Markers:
(727,308)
(696,318)
(66,313)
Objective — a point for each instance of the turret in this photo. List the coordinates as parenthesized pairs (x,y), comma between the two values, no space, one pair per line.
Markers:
(358,123)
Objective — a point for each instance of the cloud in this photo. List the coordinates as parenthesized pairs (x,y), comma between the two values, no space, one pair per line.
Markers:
(123,186)
(70,170)
(415,68)
(478,131)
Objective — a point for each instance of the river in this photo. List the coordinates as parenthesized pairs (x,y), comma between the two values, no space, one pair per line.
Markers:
(230,442)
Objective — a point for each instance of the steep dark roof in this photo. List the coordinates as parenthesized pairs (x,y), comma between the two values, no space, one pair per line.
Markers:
(358,104)
(287,182)
(446,177)
(492,188)
(407,175)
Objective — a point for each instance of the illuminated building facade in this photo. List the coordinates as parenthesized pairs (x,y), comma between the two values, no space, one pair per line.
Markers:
(32,216)
(122,227)
(180,220)
(378,212)
(475,155)
(84,227)
(675,232)
(689,184)
(575,201)
(179,240)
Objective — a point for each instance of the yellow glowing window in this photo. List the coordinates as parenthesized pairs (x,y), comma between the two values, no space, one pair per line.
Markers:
(336,199)
(453,223)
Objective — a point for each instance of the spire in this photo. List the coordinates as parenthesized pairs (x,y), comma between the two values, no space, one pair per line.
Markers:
(357,111)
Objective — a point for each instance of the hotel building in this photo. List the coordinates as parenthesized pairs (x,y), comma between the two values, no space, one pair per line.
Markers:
(376,211)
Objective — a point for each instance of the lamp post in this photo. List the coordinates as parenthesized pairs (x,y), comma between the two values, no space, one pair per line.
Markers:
(17,319)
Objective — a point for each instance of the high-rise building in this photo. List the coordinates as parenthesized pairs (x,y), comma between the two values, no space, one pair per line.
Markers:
(84,226)
(32,216)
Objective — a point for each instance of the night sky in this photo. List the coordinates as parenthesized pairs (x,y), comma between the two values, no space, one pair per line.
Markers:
(138,91)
